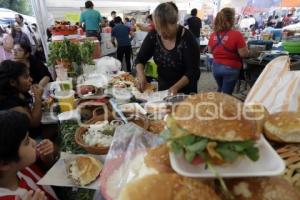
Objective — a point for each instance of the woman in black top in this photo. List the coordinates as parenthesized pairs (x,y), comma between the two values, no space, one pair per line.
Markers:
(15,83)
(173,49)
(38,71)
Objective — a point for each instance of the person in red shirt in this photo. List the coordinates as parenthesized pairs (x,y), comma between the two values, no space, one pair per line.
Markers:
(228,47)
(18,152)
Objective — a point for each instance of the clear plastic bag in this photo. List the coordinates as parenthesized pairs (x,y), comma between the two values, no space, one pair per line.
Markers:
(125,159)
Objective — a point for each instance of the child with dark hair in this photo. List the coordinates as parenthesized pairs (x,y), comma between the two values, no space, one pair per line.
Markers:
(15,83)
(18,153)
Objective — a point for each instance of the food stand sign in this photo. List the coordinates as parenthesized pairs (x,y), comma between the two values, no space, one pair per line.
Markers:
(73,17)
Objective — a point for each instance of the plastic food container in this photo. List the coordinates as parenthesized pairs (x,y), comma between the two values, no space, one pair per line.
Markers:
(66,100)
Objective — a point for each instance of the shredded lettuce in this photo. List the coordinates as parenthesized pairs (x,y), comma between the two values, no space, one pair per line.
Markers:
(192,145)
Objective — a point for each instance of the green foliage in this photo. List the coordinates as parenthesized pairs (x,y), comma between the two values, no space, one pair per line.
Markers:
(67,139)
(86,51)
(74,52)
(20,6)
(64,50)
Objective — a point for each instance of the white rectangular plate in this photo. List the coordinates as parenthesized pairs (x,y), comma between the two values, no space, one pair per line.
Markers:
(57,175)
(269,164)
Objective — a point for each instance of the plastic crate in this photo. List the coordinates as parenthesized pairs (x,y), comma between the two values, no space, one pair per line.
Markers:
(292,46)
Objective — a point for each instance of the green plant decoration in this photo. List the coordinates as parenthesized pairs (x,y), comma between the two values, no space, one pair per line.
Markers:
(64,50)
(71,51)
(86,51)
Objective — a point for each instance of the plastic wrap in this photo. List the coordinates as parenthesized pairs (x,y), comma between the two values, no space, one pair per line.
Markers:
(125,160)
(107,65)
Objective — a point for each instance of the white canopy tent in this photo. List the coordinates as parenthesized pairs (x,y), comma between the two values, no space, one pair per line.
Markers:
(48,10)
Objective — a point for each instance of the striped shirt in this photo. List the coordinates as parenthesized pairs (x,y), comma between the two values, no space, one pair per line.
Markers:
(28,178)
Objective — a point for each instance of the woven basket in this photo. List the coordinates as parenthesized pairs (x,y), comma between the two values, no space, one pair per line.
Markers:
(137,119)
(291,155)
(82,130)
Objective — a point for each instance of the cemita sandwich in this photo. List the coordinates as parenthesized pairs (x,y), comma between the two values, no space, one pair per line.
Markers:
(83,170)
(212,128)
(168,186)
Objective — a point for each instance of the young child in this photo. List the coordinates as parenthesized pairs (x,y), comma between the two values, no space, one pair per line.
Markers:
(18,153)
(15,84)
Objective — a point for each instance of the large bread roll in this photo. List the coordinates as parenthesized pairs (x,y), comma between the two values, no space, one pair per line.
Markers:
(158,159)
(167,187)
(84,169)
(257,112)
(215,116)
(283,127)
(274,188)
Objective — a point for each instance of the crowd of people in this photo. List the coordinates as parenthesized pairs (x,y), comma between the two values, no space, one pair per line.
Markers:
(23,75)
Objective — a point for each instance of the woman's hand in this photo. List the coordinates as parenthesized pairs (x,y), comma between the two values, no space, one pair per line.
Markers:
(45,148)
(142,81)
(37,91)
(173,90)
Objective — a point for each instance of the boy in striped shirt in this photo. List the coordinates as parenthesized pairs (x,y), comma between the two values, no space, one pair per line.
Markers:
(18,174)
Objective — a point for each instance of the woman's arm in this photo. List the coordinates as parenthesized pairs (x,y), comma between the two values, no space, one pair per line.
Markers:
(36,111)
(39,72)
(145,53)
(44,81)
(243,52)
(242,46)
(140,74)
(209,49)
(191,61)
(179,85)
(35,115)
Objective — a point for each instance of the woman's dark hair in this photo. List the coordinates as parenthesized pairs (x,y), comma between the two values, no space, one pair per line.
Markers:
(194,12)
(10,70)
(13,129)
(26,47)
(117,20)
(13,31)
(89,4)
(224,20)
(150,17)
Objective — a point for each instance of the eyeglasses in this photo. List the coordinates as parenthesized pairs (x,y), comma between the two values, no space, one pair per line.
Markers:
(18,50)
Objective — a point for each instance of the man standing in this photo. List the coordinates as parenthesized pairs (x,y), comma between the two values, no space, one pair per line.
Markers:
(91,19)
(195,24)
(112,22)
(26,29)
(121,32)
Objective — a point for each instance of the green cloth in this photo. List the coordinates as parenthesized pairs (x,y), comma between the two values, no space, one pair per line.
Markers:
(151,69)
(91,18)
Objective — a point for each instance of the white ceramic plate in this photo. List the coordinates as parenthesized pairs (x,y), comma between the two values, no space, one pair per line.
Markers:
(269,164)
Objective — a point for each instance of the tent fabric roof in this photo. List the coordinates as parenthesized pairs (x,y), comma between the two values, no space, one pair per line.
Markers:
(290,3)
